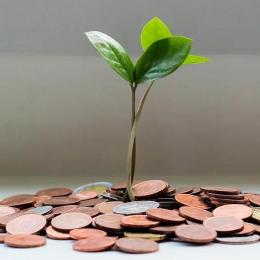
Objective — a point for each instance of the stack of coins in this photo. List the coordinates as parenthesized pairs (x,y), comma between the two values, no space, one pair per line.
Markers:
(96,217)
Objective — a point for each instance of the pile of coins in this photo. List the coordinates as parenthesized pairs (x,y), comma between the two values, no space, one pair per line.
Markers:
(95,218)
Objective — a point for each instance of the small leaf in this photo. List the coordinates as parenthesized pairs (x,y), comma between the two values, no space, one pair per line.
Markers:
(194,59)
(154,30)
(113,53)
(162,58)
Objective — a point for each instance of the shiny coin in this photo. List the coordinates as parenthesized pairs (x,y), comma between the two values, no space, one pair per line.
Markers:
(256,214)
(98,187)
(165,215)
(169,230)
(151,236)
(91,202)
(69,221)
(235,210)
(224,224)
(222,190)
(195,214)
(107,207)
(247,230)
(135,207)
(26,224)
(25,241)
(94,244)
(138,221)
(6,210)
(18,200)
(82,233)
(63,209)
(254,199)
(92,212)
(41,210)
(54,234)
(109,222)
(191,200)
(54,192)
(149,189)
(238,240)
(59,201)
(136,245)
(195,234)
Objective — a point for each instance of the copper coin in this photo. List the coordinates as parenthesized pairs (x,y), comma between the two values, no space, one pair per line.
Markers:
(224,224)
(222,190)
(94,244)
(54,192)
(164,229)
(63,209)
(91,202)
(69,221)
(138,221)
(109,222)
(3,236)
(195,234)
(165,215)
(40,199)
(6,210)
(18,200)
(149,189)
(195,214)
(26,224)
(254,199)
(137,245)
(239,240)
(84,196)
(184,190)
(120,186)
(82,233)
(170,191)
(227,201)
(5,219)
(257,228)
(248,229)
(191,200)
(59,201)
(235,210)
(92,212)
(107,207)
(226,196)
(54,234)
(25,241)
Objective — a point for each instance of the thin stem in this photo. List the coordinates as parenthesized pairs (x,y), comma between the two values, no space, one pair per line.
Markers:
(133,120)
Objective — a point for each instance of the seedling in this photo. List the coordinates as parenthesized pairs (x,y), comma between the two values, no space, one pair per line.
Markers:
(163,54)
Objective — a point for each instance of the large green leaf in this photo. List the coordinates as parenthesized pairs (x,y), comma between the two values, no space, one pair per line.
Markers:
(162,58)
(154,30)
(194,59)
(113,53)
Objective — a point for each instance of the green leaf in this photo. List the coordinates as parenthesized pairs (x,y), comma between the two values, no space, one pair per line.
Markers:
(194,59)
(162,58)
(113,53)
(154,30)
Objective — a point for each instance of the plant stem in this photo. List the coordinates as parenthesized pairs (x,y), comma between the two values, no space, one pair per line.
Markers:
(133,88)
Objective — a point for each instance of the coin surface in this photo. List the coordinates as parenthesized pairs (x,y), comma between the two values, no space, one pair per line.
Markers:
(63,209)
(169,230)
(107,207)
(194,214)
(84,195)
(235,210)
(92,212)
(59,201)
(254,199)
(18,200)
(54,192)
(94,244)
(3,236)
(6,210)
(255,215)
(165,215)
(151,236)
(191,200)
(226,196)
(91,202)
(135,207)
(55,234)
(184,190)
(248,229)
(98,187)
(109,221)
(41,210)
(26,224)
(149,189)
(25,241)
(138,221)
(69,221)
(82,233)
(195,234)
(222,190)
(224,224)
(238,240)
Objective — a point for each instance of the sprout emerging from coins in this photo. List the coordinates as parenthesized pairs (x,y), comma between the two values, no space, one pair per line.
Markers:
(163,54)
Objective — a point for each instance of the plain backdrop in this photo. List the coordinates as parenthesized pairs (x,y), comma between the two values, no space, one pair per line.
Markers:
(64,114)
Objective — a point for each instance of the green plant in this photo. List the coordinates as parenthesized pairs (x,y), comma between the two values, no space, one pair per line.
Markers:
(163,54)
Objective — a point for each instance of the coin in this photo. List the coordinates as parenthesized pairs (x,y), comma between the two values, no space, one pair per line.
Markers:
(136,245)
(221,202)
(98,187)
(254,199)
(238,240)
(54,192)
(184,190)
(256,214)
(135,207)
(63,209)
(5,219)
(3,236)
(69,221)
(191,200)
(194,214)
(165,215)
(257,228)
(6,210)
(41,210)
(110,222)
(40,199)
(224,224)
(59,201)
(195,234)
(26,224)
(82,233)
(84,195)
(107,207)
(94,244)
(18,200)
(54,234)
(169,230)
(111,196)
(138,221)
(248,229)
(149,189)
(222,190)
(235,210)
(25,241)
(92,212)
(226,196)
(91,202)
(151,236)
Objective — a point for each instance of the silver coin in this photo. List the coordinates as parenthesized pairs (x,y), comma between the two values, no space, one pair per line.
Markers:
(41,210)
(135,207)
(239,240)
(98,187)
